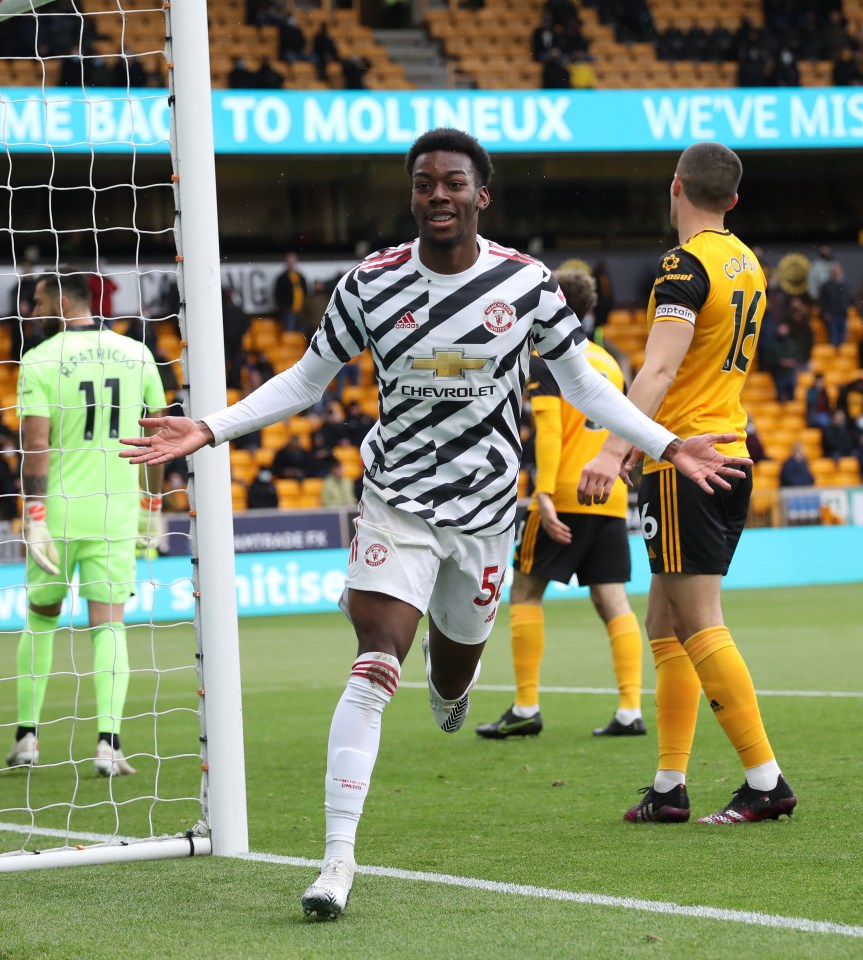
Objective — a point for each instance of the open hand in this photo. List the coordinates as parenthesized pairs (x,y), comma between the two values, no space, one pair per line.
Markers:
(174,437)
(697,459)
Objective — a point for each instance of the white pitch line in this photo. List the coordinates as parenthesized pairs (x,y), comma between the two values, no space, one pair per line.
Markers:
(504,688)
(748,917)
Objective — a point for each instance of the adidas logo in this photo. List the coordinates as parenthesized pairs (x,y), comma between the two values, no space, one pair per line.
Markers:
(407,322)
(716,706)
(650,554)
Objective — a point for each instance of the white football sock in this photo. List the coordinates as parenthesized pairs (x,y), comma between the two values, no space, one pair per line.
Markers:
(763,777)
(627,716)
(355,735)
(666,780)
(525,712)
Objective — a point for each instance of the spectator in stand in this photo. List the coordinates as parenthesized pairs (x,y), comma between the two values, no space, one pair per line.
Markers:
(783,360)
(582,76)
(561,12)
(25,330)
(334,429)
(240,77)
(797,316)
(753,68)
(9,474)
(757,453)
(786,73)
(292,461)
(837,438)
(795,470)
(235,323)
(835,37)
(324,51)
(834,300)
(819,272)
(102,290)
(289,293)
(292,40)
(544,39)
(131,70)
(319,456)
(850,400)
(266,77)
(354,70)
(395,14)
(314,304)
(255,369)
(555,73)
(262,492)
(357,423)
(571,41)
(633,21)
(338,490)
(819,409)
(846,69)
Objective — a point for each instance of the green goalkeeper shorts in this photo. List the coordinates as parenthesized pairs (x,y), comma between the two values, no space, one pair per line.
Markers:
(106,572)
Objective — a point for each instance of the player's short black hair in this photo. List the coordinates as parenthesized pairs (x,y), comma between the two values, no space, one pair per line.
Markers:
(579,288)
(68,282)
(711,175)
(457,141)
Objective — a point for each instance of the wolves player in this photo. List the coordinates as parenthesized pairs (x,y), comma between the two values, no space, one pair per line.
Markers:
(704,315)
(450,319)
(78,391)
(561,538)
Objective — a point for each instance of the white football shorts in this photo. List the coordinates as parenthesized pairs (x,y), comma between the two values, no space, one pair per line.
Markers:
(456,577)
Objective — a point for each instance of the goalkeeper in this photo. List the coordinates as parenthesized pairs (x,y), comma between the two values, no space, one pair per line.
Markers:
(80,390)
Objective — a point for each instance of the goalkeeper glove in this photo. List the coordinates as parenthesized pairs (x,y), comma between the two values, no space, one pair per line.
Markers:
(151,526)
(38,538)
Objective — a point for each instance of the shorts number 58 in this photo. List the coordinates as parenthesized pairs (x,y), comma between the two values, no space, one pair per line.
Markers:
(493,591)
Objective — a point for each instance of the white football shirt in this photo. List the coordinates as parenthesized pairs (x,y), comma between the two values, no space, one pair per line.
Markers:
(451,354)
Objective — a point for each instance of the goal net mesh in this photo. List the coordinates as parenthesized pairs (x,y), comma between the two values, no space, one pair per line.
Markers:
(87,188)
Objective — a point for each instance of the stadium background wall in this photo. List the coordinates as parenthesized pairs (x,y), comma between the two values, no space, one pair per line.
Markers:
(311,581)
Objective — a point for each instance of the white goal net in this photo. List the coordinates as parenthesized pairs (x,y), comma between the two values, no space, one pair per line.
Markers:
(104,704)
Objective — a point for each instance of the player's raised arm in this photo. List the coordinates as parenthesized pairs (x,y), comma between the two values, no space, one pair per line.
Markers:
(173,437)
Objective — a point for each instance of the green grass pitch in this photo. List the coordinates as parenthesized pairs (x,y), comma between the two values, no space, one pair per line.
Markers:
(544,812)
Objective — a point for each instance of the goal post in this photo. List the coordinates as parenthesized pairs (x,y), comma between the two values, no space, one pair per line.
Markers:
(213,543)
(206,814)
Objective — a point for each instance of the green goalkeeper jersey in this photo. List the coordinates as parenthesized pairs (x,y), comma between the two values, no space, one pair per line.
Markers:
(93,385)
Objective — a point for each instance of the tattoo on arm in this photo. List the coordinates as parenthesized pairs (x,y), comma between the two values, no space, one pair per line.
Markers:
(35,484)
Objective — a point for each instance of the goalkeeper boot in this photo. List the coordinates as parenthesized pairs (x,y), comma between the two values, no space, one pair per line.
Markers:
(449,714)
(749,805)
(511,725)
(329,894)
(25,753)
(669,807)
(614,728)
(110,762)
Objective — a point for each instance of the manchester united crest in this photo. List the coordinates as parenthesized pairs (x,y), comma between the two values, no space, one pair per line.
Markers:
(376,554)
(671,262)
(498,317)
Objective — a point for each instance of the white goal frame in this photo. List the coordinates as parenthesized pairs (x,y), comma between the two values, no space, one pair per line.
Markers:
(224,829)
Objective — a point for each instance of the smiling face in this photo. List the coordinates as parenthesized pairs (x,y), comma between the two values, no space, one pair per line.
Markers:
(446,198)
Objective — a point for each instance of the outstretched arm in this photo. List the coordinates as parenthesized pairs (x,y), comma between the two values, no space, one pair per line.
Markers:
(279,398)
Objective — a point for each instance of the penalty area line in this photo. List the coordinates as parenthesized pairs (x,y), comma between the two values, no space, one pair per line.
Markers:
(747,917)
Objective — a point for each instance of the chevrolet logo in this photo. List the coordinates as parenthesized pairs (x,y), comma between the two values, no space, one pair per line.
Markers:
(448,364)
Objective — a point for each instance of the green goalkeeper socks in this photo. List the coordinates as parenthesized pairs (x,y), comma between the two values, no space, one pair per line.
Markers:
(35,653)
(110,675)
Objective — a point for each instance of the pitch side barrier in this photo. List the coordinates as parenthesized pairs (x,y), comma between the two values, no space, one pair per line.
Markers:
(310,581)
